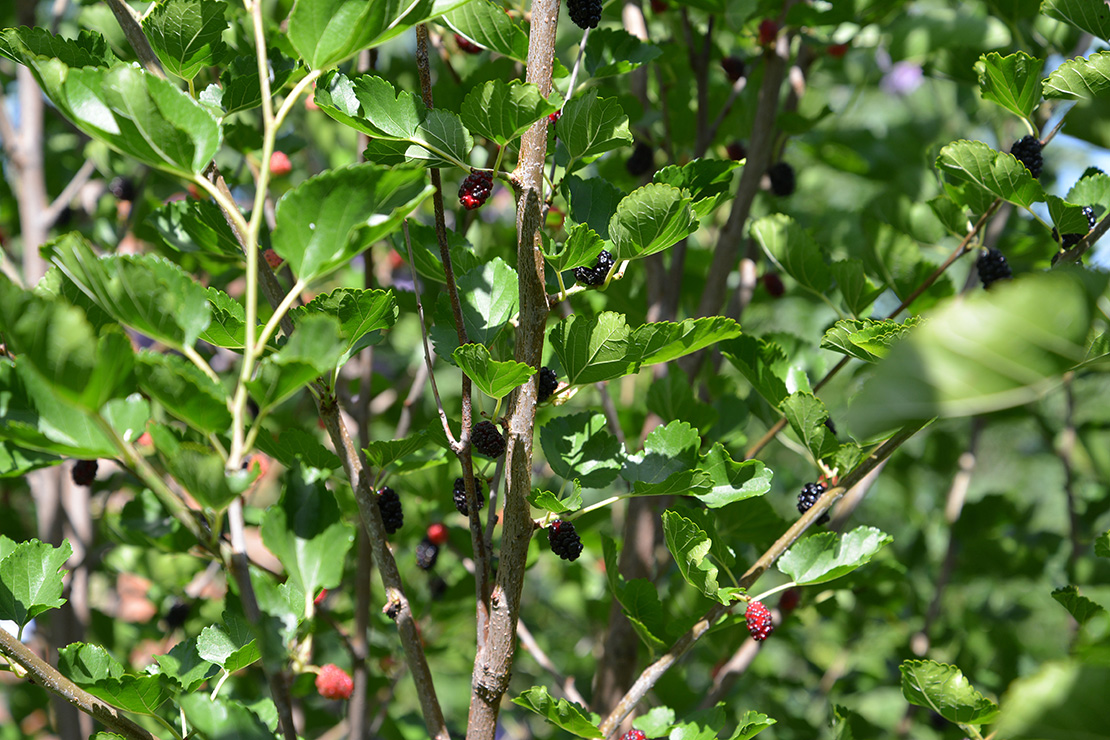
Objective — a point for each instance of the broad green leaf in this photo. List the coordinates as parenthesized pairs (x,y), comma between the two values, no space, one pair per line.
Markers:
(579,447)
(827,556)
(565,715)
(944,689)
(230,645)
(223,719)
(1068,218)
(184,391)
(1102,545)
(1060,701)
(592,349)
(706,181)
(993,350)
(1080,607)
(1093,190)
(487,24)
(807,415)
(31,581)
(592,202)
(549,501)
(312,351)
(639,599)
(1013,81)
(589,127)
(16,462)
(185,665)
(489,295)
(503,111)
(381,453)
(239,89)
(199,470)
(306,532)
(672,397)
(689,545)
(1079,78)
(325,32)
(86,664)
(649,220)
(228,327)
(87,50)
(793,250)
(656,722)
(296,446)
(127,416)
(613,51)
(146,292)
(762,362)
(400,126)
(732,481)
(326,220)
(855,287)
(998,173)
(495,378)
(751,724)
(187,35)
(1087,15)
(663,341)
(196,226)
(866,339)
(362,315)
(581,248)
(130,110)
(667,450)
(56,345)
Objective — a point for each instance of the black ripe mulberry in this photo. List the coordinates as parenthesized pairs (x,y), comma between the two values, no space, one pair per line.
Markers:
(548,383)
(1028,152)
(389,503)
(992,267)
(782,179)
(487,439)
(808,497)
(460,496)
(1067,241)
(734,67)
(564,540)
(584,13)
(84,472)
(426,554)
(641,160)
(595,275)
(475,189)
(759,621)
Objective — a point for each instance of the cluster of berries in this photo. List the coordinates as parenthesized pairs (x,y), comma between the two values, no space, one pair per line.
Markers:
(487,440)
(1028,152)
(475,189)
(564,541)
(808,497)
(992,267)
(584,13)
(427,552)
(595,275)
(549,381)
(389,504)
(460,496)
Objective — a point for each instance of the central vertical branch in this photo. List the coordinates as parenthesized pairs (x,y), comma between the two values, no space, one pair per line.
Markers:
(493,664)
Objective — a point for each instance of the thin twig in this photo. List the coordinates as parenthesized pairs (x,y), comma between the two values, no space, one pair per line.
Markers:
(128,21)
(565,683)
(50,215)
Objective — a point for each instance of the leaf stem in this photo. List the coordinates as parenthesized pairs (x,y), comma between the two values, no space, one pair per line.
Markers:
(599,505)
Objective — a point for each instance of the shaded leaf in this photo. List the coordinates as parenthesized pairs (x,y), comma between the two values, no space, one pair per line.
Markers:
(945,690)
(826,556)
(732,481)
(565,715)
(493,377)
(866,339)
(187,34)
(1080,607)
(649,220)
(579,447)
(31,581)
(793,250)
(1078,78)
(1012,81)
(998,173)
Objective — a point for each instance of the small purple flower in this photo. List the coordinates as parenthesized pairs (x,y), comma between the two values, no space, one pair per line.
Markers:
(902,79)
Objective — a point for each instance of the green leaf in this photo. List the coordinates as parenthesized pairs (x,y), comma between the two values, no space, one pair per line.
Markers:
(706,181)
(992,350)
(671,397)
(866,339)
(751,724)
(87,50)
(592,202)
(1080,607)
(184,391)
(400,126)
(362,314)
(762,362)
(381,453)
(306,532)
(199,470)
(220,719)
(579,447)
(998,173)
(732,481)
(86,664)
(312,351)
(689,545)
(656,722)
(228,327)
(855,287)
(487,24)
(1013,81)
(493,377)
(146,292)
(827,556)
(572,718)
(592,349)
(325,32)
(185,666)
(589,127)
(326,220)
(230,645)
(649,220)
(793,250)
(1060,701)
(239,88)
(298,447)
(1093,190)
(613,51)
(944,689)
(1067,217)
(639,599)
(581,248)
(807,415)
(187,34)
(16,462)
(502,112)
(670,454)
(31,581)
(1102,545)
(1092,17)
(663,341)
(1079,78)
(489,295)
(196,226)
(549,501)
